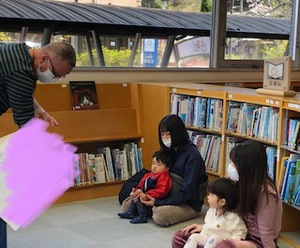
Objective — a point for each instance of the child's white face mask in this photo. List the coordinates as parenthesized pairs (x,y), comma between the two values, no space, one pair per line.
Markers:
(167,142)
(232,173)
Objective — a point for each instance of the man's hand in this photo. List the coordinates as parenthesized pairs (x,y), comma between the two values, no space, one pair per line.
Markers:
(46,117)
(39,112)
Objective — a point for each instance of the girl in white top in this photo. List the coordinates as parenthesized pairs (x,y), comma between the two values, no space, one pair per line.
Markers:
(221,222)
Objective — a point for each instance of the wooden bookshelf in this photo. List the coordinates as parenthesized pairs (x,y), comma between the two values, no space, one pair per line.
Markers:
(244,95)
(88,192)
(114,123)
(87,126)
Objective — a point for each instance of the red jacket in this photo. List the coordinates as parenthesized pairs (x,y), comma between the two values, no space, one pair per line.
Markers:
(157,185)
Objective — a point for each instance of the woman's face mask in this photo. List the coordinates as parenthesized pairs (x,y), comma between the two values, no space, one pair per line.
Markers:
(233,173)
(166,138)
(167,142)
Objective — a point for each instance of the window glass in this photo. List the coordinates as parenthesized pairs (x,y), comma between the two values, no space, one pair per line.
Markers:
(193,51)
(34,39)
(245,47)
(118,50)
(6,37)
(251,48)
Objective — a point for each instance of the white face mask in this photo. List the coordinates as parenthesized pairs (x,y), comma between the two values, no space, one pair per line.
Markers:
(45,76)
(232,173)
(167,142)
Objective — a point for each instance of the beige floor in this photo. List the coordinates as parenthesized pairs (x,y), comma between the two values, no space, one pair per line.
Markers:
(92,224)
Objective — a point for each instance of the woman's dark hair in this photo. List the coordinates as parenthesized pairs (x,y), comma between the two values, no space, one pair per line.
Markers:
(176,127)
(225,188)
(250,159)
(165,157)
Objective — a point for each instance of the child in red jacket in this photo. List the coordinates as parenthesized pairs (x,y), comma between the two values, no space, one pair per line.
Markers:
(156,184)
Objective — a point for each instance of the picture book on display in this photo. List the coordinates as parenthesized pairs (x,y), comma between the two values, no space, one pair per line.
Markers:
(84,95)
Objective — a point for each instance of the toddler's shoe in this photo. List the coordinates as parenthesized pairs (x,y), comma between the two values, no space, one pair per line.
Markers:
(126,215)
(139,219)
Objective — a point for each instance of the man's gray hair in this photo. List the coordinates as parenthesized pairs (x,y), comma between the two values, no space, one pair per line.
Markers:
(63,50)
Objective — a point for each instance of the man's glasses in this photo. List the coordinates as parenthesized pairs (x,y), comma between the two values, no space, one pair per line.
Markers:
(53,69)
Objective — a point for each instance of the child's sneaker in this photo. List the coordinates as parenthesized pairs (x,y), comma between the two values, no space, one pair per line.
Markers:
(139,219)
(126,215)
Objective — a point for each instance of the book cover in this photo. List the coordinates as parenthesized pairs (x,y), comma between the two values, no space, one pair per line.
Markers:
(100,171)
(283,165)
(196,112)
(124,165)
(271,161)
(297,177)
(233,120)
(290,184)
(296,198)
(218,115)
(289,178)
(202,115)
(84,95)
(117,163)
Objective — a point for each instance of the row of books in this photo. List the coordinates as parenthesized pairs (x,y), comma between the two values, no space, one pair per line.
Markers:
(199,112)
(253,120)
(209,147)
(108,164)
(243,118)
(290,179)
(271,152)
(292,133)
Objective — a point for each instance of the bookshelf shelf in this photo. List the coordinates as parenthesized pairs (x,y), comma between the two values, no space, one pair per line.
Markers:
(287,148)
(89,124)
(104,138)
(79,187)
(205,130)
(250,138)
(253,98)
(293,206)
(200,92)
(90,192)
(213,173)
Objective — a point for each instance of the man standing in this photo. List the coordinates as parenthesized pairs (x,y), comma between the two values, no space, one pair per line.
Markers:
(20,68)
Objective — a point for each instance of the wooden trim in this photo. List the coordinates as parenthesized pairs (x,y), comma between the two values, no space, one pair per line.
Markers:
(91,192)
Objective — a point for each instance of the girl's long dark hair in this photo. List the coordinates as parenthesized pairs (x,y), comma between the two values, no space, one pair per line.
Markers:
(176,127)
(250,160)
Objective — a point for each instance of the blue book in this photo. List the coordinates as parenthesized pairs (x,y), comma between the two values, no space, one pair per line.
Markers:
(290,183)
(297,177)
(208,109)
(249,117)
(289,178)
(266,124)
(271,161)
(296,198)
(203,112)
(196,112)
